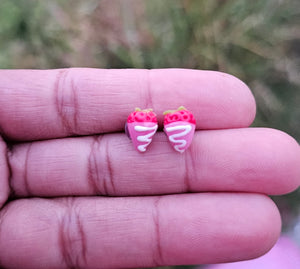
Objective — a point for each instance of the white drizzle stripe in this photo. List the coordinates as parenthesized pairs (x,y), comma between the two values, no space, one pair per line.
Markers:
(173,138)
(145,138)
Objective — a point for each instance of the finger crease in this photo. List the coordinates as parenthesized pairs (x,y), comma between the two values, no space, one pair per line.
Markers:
(66,101)
(157,254)
(82,240)
(64,250)
(26,183)
(101,145)
(93,170)
(109,176)
(9,154)
(72,238)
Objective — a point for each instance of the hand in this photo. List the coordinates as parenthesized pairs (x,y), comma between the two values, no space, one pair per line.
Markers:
(63,138)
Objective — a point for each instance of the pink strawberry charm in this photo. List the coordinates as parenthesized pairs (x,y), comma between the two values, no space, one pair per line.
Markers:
(140,127)
(179,126)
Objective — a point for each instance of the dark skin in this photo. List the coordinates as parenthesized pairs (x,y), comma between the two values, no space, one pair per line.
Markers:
(82,197)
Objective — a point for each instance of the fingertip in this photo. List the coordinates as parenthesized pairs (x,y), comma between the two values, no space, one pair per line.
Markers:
(257,228)
(245,226)
(217,100)
(247,109)
(286,161)
(266,227)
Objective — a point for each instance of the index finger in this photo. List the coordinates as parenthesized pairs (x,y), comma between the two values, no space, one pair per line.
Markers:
(44,104)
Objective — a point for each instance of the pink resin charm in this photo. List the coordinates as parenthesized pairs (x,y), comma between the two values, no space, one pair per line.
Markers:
(140,127)
(141,134)
(179,126)
(180,134)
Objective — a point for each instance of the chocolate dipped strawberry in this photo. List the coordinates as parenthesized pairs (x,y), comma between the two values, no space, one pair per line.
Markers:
(140,127)
(179,126)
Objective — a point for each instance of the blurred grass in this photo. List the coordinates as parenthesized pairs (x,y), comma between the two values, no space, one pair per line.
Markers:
(257,41)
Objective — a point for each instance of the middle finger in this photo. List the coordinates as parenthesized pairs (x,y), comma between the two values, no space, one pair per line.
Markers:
(250,160)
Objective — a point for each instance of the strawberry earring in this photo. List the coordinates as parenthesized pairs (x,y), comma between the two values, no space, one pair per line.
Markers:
(179,126)
(140,127)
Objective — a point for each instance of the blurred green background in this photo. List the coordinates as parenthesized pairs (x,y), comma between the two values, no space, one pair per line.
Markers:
(257,41)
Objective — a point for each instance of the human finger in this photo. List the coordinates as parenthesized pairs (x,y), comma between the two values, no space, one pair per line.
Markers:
(285,254)
(249,160)
(135,232)
(4,173)
(43,104)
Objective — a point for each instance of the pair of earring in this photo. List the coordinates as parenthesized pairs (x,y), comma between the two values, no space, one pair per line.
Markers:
(179,126)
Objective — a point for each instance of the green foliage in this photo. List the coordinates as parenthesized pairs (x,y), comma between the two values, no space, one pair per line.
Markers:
(29,33)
